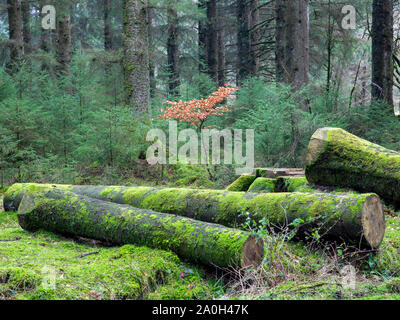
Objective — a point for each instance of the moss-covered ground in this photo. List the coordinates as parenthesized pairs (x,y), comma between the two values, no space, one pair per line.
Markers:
(43,265)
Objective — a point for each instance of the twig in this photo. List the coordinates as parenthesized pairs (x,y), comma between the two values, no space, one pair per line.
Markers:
(87,254)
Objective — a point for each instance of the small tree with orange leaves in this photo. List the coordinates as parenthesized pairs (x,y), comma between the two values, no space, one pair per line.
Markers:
(196,112)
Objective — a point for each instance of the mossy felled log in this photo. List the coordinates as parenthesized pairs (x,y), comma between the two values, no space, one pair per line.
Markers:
(262,185)
(354,218)
(64,212)
(242,183)
(338,158)
(292,184)
(15,193)
(278,172)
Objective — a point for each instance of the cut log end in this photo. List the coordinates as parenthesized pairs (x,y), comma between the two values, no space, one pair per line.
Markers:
(253,252)
(373,221)
(27,203)
(316,144)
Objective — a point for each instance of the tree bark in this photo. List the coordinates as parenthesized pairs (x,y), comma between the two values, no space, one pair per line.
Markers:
(254,38)
(173,51)
(26,26)
(203,40)
(151,54)
(63,49)
(292,42)
(243,40)
(107,26)
(67,213)
(15,34)
(221,46)
(136,56)
(357,219)
(338,158)
(382,51)
(212,37)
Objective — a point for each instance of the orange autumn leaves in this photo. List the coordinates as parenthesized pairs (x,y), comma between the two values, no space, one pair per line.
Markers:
(196,112)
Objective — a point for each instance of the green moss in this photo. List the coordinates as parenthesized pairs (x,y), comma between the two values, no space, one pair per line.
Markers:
(387,259)
(242,183)
(262,185)
(298,184)
(127,272)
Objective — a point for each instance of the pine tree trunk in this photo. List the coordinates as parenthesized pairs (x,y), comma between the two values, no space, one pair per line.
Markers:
(292,42)
(357,219)
(151,55)
(212,37)
(254,38)
(26,26)
(63,50)
(382,51)
(243,40)
(221,46)
(67,213)
(107,25)
(203,40)
(173,51)
(15,33)
(136,56)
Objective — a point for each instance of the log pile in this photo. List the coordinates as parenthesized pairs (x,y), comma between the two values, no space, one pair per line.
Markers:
(207,225)
(357,219)
(68,213)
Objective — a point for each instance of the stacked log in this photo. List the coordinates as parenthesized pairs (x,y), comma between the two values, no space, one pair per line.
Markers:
(354,218)
(66,213)
(338,158)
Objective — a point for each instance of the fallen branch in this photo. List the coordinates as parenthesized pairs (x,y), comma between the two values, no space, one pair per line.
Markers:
(87,254)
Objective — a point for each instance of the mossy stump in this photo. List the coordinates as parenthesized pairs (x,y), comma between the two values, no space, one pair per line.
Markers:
(337,158)
(64,212)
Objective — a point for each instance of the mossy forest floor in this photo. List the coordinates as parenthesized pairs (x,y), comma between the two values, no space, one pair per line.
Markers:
(43,265)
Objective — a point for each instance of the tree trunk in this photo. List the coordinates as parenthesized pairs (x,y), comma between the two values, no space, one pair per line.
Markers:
(292,42)
(221,46)
(67,213)
(203,40)
(107,26)
(254,38)
(151,53)
(357,219)
(212,38)
(243,40)
(173,51)
(382,51)
(338,158)
(136,57)
(26,26)
(63,50)
(15,33)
